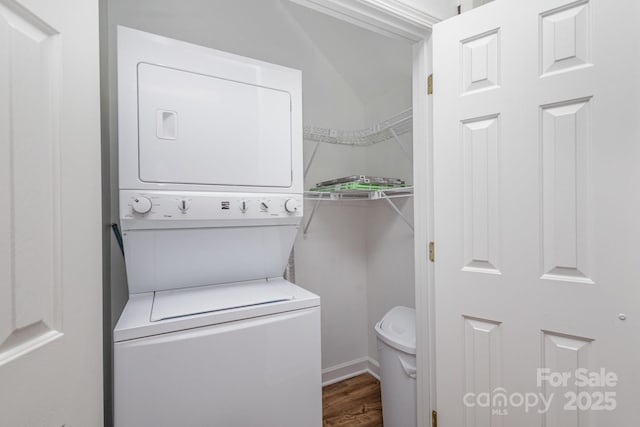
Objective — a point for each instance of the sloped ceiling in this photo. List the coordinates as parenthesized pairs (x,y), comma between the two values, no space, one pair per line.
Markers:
(370,63)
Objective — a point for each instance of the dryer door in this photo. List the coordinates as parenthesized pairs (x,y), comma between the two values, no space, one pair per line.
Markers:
(201,129)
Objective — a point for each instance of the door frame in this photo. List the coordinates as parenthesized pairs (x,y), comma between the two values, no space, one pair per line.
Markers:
(395,19)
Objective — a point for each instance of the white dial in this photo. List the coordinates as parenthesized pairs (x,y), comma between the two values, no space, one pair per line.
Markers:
(291,205)
(141,205)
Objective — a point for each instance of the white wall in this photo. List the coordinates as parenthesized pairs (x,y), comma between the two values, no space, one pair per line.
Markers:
(467,5)
(442,9)
(390,272)
(351,78)
(331,261)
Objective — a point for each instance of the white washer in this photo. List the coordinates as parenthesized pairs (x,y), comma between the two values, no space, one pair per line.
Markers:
(236,367)
(210,163)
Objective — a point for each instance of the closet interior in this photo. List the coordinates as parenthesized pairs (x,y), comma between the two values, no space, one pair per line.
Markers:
(355,247)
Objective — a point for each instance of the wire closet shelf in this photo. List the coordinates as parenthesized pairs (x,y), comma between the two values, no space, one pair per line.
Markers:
(390,193)
(390,128)
(387,194)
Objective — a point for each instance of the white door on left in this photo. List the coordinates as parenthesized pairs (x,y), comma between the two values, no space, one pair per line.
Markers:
(50,223)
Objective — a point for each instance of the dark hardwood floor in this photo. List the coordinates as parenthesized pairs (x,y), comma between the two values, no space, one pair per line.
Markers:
(352,402)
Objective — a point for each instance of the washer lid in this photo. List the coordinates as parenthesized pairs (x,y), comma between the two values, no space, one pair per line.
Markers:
(207,299)
(398,329)
(135,321)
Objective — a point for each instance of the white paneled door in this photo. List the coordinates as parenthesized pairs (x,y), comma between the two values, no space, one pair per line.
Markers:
(50,237)
(537,214)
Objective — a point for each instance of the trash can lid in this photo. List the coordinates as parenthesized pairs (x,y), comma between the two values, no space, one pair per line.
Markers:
(398,329)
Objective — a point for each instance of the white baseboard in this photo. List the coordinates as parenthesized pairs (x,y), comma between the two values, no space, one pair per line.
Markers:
(350,369)
(373,368)
(344,371)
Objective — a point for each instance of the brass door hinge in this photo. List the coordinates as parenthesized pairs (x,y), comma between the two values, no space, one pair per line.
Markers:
(434,419)
(430,84)
(432,252)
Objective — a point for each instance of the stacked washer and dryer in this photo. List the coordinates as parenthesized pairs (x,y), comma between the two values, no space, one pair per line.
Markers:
(210,173)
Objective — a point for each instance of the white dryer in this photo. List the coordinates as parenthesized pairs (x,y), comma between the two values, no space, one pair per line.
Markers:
(210,164)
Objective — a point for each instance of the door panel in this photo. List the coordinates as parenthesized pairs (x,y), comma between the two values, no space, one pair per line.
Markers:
(536,131)
(50,281)
(30,306)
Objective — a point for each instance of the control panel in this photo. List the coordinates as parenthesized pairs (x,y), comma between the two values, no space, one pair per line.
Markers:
(176,206)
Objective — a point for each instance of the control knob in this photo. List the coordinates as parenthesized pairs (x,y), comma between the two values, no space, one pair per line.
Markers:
(291,206)
(141,205)
(183,205)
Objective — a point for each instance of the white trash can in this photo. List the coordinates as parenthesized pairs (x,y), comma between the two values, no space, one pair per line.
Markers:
(397,357)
